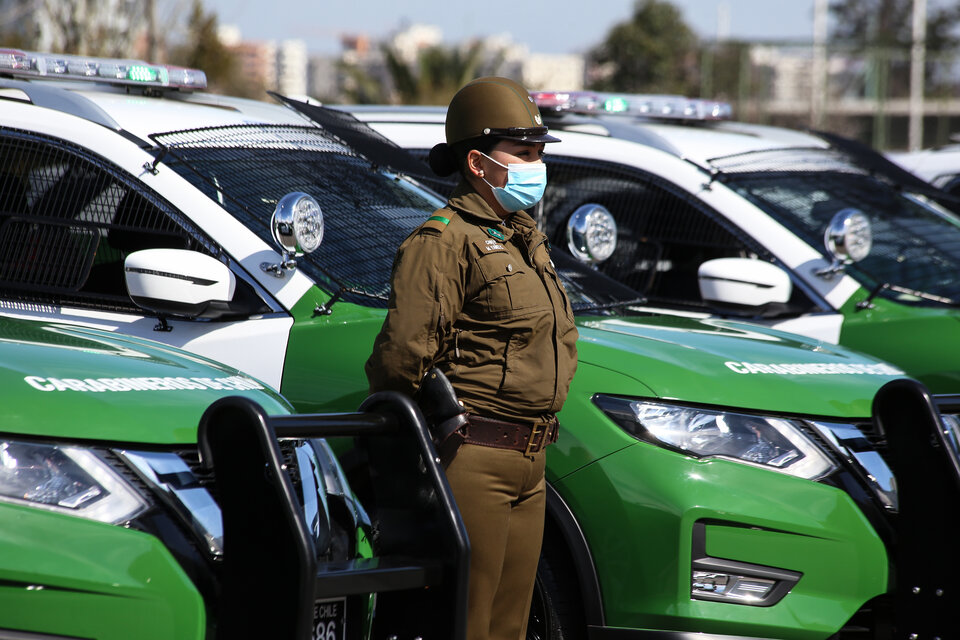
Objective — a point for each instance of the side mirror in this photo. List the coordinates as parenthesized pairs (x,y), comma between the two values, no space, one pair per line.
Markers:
(743,282)
(848,239)
(592,233)
(177,282)
(297,228)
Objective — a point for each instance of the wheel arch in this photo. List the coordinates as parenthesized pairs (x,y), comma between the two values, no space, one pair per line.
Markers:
(562,523)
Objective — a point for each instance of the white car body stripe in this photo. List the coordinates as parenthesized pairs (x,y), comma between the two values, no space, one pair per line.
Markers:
(215,340)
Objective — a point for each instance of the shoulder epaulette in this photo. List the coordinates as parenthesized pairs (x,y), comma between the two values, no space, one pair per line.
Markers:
(437,223)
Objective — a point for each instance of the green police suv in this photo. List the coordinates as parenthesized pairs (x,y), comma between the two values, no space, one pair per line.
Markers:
(802,231)
(149,493)
(712,477)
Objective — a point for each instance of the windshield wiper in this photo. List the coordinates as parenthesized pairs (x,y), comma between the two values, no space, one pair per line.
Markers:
(867,303)
(581,308)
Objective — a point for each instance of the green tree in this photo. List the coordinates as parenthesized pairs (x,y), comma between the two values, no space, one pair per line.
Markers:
(654,51)
(438,72)
(884,30)
(362,85)
(432,78)
(203,50)
(83,27)
(889,23)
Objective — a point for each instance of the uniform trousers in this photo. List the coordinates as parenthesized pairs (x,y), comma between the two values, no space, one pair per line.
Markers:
(501,495)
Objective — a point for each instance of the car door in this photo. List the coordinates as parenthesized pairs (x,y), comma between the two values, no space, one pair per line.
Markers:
(69,218)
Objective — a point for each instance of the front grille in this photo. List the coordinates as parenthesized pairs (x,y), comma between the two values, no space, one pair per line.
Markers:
(127,474)
(873,621)
(205,478)
(876,439)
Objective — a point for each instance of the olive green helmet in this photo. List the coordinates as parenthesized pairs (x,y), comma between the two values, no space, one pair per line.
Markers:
(498,107)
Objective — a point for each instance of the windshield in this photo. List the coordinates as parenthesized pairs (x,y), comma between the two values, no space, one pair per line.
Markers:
(367,212)
(916,242)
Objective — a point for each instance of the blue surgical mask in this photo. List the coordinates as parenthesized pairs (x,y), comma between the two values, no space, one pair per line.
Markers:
(525,184)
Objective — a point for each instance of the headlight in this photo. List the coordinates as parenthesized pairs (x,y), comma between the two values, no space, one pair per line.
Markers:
(771,442)
(65,479)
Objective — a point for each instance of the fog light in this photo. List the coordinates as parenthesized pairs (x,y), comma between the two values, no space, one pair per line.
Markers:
(730,586)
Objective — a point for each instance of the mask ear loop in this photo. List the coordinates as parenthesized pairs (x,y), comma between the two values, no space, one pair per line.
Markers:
(492,160)
(477,170)
(480,172)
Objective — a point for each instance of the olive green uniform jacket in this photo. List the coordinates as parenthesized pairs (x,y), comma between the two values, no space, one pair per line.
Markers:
(479,298)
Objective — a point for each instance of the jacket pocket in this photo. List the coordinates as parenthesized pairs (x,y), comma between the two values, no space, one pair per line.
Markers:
(509,286)
(523,379)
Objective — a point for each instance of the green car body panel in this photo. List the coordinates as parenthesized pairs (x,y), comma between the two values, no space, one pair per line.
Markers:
(881,331)
(71,577)
(63,575)
(792,524)
(166,411)
(637,502)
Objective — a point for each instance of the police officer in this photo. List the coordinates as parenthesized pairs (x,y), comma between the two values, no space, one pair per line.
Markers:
(474,293)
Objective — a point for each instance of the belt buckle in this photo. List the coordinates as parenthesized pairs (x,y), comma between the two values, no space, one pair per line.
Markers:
(534,444)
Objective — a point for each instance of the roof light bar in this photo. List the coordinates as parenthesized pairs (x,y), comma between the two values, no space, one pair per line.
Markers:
(578,101)
(648,106)
(117,71)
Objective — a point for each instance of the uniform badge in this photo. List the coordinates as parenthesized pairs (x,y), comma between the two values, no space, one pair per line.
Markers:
(493,233)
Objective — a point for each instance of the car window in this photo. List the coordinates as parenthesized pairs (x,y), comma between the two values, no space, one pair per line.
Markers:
(663,234)
(367,211)
(916,242)
(69,218)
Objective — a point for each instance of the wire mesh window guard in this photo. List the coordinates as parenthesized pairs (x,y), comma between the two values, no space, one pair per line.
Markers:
(367,211)
(663,233)
(69,218)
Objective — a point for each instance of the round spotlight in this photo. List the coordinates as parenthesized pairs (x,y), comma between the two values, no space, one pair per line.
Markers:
(592,233)
(297,223)
(848,237)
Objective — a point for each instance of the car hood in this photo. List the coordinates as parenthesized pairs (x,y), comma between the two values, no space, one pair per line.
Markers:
(73,382)
(733,364)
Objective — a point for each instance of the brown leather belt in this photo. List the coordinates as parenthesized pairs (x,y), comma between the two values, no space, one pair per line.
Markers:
(501,434)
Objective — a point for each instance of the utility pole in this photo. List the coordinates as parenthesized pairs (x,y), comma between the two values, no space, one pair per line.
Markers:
(918,55)
(150,17)
(818,79)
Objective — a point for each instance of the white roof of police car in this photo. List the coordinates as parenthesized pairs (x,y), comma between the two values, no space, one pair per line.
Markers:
(930,164)
(175,111)
(697,143)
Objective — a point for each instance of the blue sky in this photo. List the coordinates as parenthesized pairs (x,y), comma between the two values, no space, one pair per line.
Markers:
(547,26)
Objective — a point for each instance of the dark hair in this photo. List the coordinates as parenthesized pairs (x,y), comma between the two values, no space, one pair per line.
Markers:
(446,159)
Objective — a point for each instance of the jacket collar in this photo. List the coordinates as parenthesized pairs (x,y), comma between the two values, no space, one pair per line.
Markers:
(466,201)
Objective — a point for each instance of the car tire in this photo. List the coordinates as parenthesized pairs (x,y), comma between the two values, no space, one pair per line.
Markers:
(556,611)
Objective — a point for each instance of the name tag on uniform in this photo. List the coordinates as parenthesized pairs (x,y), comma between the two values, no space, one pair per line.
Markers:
(490,246)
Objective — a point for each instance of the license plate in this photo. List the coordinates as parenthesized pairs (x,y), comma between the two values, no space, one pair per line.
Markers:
(329,619)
